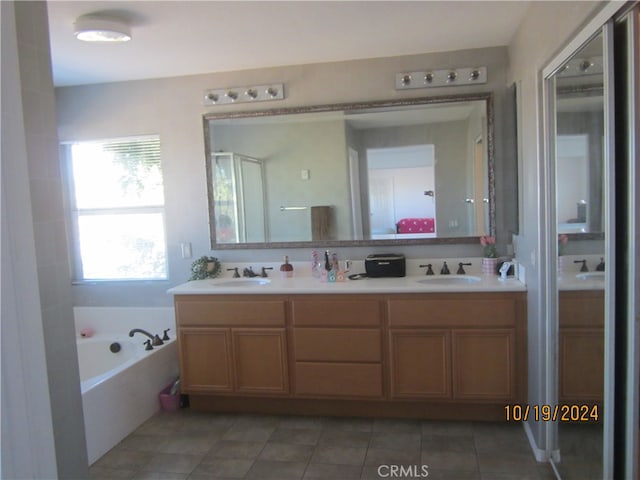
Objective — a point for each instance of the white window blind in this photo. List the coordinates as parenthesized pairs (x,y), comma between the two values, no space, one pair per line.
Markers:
(117,209)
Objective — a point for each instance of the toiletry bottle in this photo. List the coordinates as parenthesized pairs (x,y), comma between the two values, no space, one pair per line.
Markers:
(335,266)
(286,269)
(316,266)
(327,263)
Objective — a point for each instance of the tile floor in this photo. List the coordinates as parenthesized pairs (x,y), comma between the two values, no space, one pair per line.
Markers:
(581,451)
(198,446)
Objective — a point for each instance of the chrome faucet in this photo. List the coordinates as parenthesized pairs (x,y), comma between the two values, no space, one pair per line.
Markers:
(154,339)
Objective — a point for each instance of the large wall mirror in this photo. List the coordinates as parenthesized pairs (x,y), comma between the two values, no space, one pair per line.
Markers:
(400,172)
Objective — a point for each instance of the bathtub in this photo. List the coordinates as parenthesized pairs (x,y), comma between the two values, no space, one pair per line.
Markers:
(120,390)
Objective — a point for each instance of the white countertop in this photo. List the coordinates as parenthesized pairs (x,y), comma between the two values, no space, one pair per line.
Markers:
(311,285)
(581,281)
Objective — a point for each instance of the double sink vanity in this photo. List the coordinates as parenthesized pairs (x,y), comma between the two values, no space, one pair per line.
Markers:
(441,347)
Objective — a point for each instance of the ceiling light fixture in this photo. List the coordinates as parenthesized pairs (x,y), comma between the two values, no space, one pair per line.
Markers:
(94,28)
(441,78)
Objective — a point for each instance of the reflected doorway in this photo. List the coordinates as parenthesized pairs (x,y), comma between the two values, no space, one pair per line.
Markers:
(401,183)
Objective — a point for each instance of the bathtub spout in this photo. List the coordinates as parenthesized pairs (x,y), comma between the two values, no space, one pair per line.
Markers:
(155,340)
(139,330)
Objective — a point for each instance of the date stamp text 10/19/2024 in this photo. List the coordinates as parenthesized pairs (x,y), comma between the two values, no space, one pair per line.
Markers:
(579,413)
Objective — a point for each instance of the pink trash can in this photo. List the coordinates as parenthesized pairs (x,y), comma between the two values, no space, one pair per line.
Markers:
(169,402)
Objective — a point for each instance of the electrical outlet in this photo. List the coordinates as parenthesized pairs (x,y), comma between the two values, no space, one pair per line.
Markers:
(304,174)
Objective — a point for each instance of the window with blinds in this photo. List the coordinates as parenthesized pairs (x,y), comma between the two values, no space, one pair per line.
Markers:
(117,209)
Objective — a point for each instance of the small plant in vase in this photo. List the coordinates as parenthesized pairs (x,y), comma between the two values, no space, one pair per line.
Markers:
(489,254)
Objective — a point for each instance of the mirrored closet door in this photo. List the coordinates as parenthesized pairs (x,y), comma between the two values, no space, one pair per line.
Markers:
(591,99)
(579,163)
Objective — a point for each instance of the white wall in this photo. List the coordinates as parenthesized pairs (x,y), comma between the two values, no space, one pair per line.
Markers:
(172,107)
(42,429)
(546,29)
(28,449)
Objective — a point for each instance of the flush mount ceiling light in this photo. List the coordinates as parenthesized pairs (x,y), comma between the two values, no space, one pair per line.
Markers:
(94,28)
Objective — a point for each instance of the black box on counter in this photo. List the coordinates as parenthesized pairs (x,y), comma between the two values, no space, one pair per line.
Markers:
(385,265)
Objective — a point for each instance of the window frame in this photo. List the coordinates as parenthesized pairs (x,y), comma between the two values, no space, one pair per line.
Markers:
(74,213)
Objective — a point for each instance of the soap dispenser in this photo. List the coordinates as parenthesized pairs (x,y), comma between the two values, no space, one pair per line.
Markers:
(286,269)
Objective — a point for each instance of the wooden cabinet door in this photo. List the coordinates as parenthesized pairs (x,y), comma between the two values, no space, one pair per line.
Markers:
(260,360)
(483,363)
(205,360)
(581,354)
(420,363)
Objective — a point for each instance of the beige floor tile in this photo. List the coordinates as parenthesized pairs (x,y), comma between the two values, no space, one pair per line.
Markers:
(104,473)
(323,471)
(397,425)
(448,443)
(223,467)
(188,444)
(383,456)
(396,441)
(296,436)
(345,438)
(339,455)
(124,459)
(505,462)
(173,463)
(286,452)
(445,461)
(437,427)
(268,470)
(248,433)
(233,449)
(160,476)
(198,446)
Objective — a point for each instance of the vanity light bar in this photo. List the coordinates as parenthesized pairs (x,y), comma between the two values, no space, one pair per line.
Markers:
(441,78)
(259,93)
(582,66)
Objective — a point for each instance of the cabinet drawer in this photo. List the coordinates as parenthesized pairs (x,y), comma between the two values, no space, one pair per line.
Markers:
(581,309)
(337,344)
(459,311)
(339,379)
(336,311)
(242,312)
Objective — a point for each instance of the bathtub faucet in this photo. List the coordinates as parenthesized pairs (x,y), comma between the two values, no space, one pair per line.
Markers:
(155,339)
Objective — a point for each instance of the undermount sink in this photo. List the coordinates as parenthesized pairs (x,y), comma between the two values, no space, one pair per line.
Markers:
(242,282)
(449,280)
(593,276)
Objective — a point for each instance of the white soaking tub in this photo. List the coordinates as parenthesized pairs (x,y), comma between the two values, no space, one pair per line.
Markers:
(120,390)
